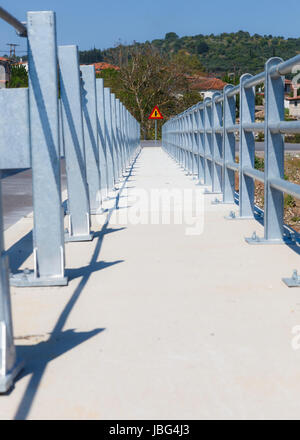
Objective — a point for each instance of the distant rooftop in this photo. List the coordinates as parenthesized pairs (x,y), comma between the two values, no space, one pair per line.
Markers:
(205,83)
(103,66)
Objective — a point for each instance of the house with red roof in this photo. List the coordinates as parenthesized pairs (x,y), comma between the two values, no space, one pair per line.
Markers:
(103,66)
(206,86)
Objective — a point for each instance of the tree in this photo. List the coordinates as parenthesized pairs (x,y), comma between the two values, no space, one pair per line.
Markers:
(219,53)
(18,77)
(150,80)
(202,47)
(111,79)
(171,36)
(147,79)
(188,63)
(90,56)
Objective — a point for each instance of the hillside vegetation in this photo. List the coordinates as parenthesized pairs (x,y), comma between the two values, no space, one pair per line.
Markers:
(220,54)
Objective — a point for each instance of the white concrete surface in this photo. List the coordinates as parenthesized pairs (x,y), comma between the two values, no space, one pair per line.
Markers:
(155,324)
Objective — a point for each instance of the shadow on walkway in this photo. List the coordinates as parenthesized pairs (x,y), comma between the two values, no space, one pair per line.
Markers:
(61,341)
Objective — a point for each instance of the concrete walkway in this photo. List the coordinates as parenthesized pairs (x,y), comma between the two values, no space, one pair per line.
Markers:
(157,324)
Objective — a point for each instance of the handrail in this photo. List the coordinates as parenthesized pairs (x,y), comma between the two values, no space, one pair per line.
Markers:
(213,122)
(10,19)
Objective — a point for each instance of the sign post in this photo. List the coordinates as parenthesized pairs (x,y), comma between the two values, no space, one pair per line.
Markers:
(155,114)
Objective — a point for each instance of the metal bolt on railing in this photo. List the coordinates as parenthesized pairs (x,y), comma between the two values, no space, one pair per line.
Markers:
(254,237)
(231,215)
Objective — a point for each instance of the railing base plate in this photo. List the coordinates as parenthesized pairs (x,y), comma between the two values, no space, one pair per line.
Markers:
(220,202)
(96,211)
(292,282)
(200,183)
(261,240)
(30,280)
(71,238)
(237,217)
(207,191)
(7,381)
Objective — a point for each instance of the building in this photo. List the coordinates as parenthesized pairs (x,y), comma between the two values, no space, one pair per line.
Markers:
(4,71)
(294,107)
(206,86)
(293,102)
(288,88)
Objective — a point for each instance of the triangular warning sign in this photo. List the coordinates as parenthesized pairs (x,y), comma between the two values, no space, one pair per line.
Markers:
(155,114)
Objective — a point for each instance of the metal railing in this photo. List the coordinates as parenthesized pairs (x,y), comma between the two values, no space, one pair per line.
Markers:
(10,19)
(89,127)
(202,139)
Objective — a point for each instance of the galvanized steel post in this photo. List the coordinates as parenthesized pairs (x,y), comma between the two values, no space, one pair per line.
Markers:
(207,142)
(108,130)
(78,197)
(119,137)
(101,136)
(274,153)
(214,111)
(189,142)
(90,125)
(114,137)
(122,134)
(247,148)
(229,119)
(194,140)
(201,145)
(48,233)
(217,148)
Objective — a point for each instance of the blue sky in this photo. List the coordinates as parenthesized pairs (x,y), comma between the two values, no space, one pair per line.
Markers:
(90,23)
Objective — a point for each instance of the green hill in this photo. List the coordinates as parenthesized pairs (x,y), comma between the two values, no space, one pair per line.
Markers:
(237,52)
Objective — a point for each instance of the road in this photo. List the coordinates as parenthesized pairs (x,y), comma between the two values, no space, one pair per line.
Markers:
(17,194)
(289,148)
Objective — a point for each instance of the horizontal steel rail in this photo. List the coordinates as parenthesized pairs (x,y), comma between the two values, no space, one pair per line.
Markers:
(288,187)
(255,174)
(232,166)
(205,134)
(10,19)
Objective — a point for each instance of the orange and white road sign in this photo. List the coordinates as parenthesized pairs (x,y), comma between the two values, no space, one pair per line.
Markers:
(156,114)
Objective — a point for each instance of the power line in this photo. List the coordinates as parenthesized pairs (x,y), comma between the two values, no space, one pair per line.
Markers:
(22,51)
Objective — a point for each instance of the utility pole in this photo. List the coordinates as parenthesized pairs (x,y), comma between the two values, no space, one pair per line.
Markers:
(12,49)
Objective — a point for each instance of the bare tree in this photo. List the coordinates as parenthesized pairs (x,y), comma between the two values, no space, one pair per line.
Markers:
(152,80)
